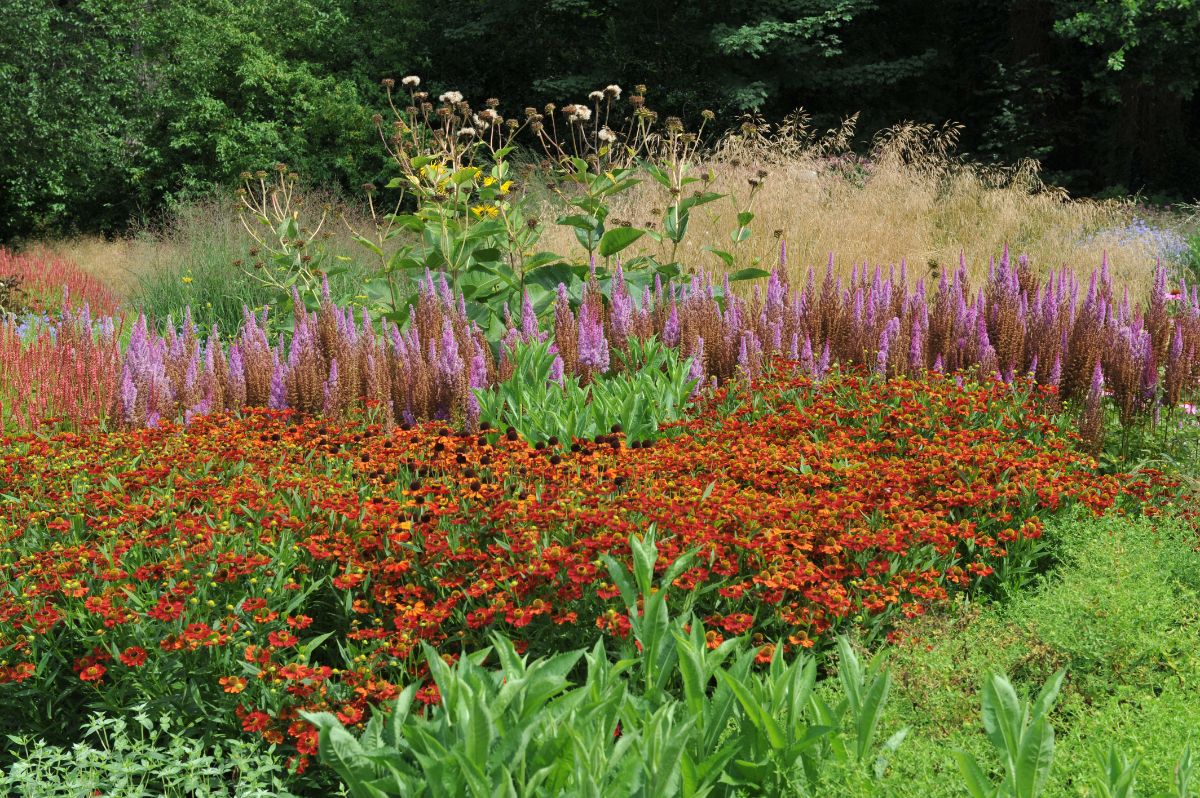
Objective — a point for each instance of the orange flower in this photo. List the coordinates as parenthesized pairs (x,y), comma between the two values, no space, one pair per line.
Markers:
(232,684)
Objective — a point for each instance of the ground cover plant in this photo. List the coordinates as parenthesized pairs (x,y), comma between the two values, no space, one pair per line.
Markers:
(1117,614)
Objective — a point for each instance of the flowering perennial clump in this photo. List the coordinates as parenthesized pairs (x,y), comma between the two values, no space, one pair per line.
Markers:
(1057,330)
(234,548)
(47,281)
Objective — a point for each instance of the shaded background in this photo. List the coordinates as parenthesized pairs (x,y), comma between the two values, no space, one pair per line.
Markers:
(113,110)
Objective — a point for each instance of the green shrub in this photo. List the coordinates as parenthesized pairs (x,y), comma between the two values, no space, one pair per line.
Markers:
(652,387)
(145,757)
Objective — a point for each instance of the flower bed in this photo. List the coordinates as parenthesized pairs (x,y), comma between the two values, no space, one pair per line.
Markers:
(272,562)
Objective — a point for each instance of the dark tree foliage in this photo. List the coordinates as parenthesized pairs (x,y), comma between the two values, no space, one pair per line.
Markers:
(111,110)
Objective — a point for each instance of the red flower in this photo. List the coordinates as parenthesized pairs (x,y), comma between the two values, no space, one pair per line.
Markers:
(256,721)
(134,657)
(282,639)
(93,673)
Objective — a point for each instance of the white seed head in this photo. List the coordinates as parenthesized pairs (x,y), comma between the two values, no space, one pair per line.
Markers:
(412,81)
(451,97)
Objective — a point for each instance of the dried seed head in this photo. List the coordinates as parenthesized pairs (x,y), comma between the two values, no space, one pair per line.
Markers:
(466,132)
(637,100)
(596,96)
(673,124)
(640,89)
(387,83)
(492,102)
(368,188)
(411,81)
(606,135)
(550,108)
(377,119)
(707,115)
(613,91)
(450,97)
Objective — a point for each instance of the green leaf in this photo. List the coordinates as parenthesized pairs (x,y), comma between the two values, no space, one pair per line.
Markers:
(618,239)
(725,257)
(761,719)
(748,274)
(975,781)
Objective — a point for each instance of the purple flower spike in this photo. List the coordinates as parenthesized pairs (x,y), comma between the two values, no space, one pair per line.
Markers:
(823,363)
(807,363)
(529,321)
(671,330)
(1097,386)
(593,346)
(278,397)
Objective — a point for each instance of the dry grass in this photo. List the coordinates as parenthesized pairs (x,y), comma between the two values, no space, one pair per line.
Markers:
(197,236)
(910,200)
(118,263)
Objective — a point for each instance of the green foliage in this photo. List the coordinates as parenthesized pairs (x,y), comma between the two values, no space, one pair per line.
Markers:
(196,273)
(653,386)
(143,756)
(1149,37)
(110,109)
(1021,734)
(1118,614)
(674,717)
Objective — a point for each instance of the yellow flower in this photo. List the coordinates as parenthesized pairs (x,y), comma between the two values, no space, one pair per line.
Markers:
(505,186)
(490,211)
(187,279)
(487,181)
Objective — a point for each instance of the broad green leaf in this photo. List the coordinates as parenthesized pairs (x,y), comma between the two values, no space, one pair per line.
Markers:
(748,274)
(618,239)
